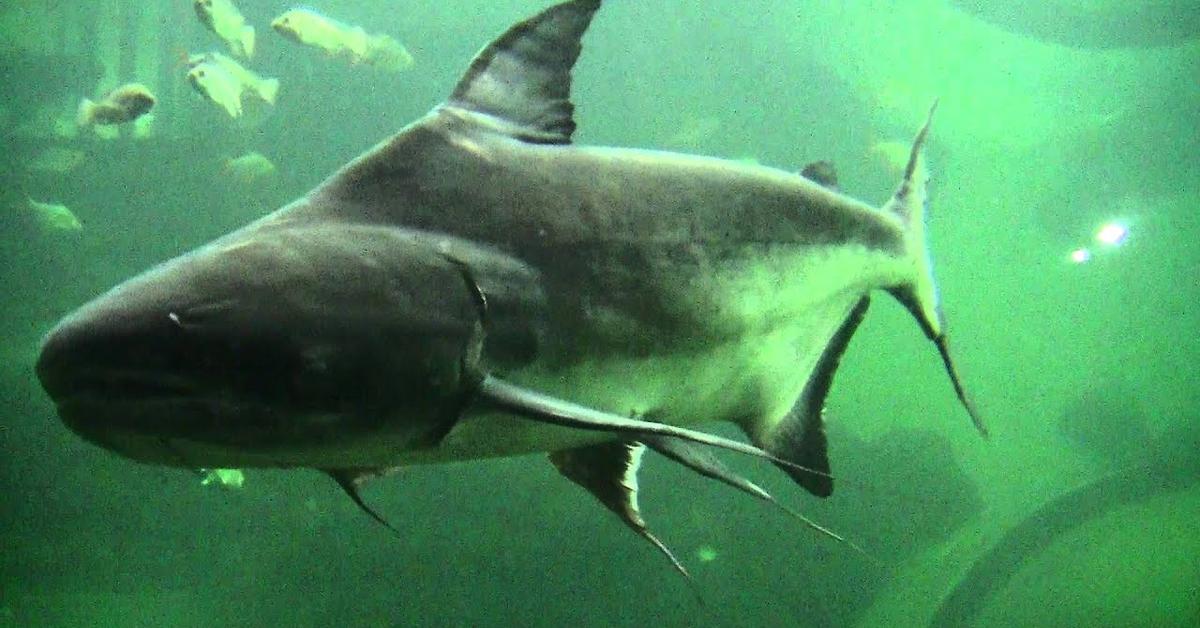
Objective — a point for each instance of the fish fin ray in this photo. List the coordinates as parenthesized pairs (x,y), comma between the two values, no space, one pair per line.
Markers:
(555,411)
(701,461)
(919,295)
(268,90)
(350,479)
(247,41)
(609,472)
(708,465)
(83,113)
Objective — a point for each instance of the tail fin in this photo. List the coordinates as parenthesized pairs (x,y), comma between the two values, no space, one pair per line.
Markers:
(247,39)
(83,114)
(920,296)
(268,90)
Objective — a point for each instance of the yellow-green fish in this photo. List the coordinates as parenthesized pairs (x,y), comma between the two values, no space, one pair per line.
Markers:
(57,160)
(225,478)
(52,216)
(217,86)
(893,153)
(248,169)
(123,104)
(224,19)
(342,40)
(225,82)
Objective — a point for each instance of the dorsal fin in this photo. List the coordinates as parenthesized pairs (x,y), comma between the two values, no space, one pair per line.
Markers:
(821,172)
(521,82)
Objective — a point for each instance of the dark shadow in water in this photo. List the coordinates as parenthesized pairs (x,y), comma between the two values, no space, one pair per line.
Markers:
(1173,465)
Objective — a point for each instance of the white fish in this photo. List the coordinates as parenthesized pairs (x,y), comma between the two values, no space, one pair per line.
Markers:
(342,40)
(57,160)
(224,19)
(892,153)
(53,216)
(225,82)
(218,86)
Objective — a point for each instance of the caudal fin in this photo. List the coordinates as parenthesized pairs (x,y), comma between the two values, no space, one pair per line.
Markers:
(83,113)
(920,295)
(268,90)
(247,40)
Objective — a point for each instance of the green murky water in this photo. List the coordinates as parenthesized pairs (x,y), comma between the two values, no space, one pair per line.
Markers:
(1063,228)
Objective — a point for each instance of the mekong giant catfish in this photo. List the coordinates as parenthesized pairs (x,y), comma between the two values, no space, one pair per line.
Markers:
(478,286)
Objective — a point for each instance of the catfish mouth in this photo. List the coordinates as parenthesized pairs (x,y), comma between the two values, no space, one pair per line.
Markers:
(131,374)
(111,407)
(161,418)
(79,366)
(127,386)
(156,429)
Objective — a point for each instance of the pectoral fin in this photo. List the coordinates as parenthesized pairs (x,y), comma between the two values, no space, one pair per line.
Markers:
(545,408)
(708,465)
(351,479)
(702,462)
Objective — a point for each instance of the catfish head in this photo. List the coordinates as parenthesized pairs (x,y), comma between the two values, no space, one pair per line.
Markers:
(278,345)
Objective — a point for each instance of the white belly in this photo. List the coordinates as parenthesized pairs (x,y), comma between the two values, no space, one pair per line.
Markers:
(785,310)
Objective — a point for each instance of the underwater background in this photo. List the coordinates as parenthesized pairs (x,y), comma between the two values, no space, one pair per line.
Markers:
(1064,229)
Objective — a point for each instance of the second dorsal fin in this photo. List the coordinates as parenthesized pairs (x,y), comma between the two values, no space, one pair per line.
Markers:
(521,82)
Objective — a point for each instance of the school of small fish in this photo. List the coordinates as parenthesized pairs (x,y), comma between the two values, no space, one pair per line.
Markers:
(221,79)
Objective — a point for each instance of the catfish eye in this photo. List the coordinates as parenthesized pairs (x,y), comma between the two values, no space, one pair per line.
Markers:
(199,73)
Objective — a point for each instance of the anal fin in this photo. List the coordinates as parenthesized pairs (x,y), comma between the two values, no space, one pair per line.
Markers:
(799,437)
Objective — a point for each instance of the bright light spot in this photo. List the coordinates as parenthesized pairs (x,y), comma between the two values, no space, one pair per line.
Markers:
(228,478)
(1112,234)
(1080,256)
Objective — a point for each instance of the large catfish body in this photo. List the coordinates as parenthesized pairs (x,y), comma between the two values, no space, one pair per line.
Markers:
(477,286)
